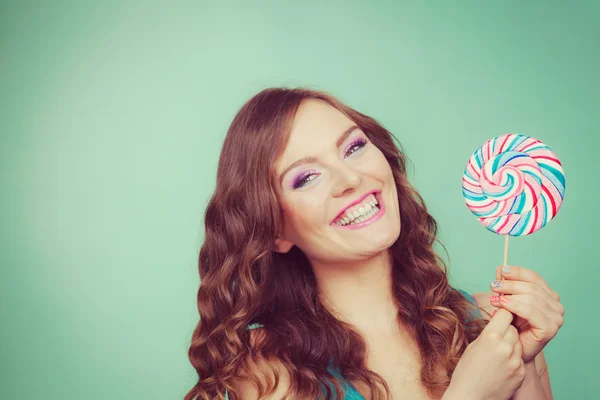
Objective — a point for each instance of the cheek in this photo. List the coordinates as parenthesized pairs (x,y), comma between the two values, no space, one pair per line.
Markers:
(379,166)
(307,213)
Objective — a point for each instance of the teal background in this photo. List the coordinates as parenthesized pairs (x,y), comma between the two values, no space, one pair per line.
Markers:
(112,116)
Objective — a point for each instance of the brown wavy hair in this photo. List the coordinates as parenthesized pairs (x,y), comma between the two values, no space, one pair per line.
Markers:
(243,281)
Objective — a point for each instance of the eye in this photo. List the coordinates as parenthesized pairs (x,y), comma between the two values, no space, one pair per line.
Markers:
(354,146)
(360,142)
(304,178)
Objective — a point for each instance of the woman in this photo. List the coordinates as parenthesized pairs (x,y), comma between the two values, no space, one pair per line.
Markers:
(319,280)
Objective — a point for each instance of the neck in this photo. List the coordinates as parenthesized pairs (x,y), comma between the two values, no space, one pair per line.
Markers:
(360,293)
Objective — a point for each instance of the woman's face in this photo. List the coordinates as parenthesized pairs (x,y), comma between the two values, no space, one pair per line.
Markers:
(340,168)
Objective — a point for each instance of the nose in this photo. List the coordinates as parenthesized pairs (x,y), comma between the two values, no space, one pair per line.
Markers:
(347,179)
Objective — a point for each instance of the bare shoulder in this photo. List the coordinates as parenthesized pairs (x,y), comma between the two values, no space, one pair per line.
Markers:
(482,299)
(257,368)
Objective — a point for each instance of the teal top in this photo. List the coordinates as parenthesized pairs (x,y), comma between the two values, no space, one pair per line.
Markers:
(350,391)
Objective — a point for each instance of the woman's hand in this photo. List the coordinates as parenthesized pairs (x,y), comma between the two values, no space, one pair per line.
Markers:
(537,309)
(491,367)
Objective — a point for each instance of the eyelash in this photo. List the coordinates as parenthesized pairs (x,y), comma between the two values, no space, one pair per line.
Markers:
(358,142)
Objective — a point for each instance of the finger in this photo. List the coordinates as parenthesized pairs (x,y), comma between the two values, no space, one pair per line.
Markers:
(528,275)
(540,304)
(499,274)
(500,322)
(518,351)
(524,309)
(544,306)
(524,288)
(512,335)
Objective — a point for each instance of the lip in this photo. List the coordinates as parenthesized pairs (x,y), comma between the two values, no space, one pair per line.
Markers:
(377,194)
(369,221)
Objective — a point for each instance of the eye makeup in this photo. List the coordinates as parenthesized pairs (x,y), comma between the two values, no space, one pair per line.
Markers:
(301,179)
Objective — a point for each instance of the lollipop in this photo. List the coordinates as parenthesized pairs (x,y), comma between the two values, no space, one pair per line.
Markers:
(514,184)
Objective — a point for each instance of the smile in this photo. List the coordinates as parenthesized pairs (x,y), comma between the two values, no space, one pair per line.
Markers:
(362,215)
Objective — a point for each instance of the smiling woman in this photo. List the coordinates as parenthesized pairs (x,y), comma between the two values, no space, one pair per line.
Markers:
(319,278)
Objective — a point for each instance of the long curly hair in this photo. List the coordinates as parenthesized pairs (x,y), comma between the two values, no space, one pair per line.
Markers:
(243,281)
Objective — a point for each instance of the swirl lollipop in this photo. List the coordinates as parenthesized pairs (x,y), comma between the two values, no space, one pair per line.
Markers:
(514,184)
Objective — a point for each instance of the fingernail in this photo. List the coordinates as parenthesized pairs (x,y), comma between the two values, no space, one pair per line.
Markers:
(496,284)
(506,269)
(504,299)
(494,313)
(494,299)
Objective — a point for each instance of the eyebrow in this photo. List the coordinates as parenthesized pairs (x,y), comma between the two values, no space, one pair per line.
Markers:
(305,160)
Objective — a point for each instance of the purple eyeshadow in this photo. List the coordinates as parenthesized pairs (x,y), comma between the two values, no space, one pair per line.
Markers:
(298,178)
(301,176)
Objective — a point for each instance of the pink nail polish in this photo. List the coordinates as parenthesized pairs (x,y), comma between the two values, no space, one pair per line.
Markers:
(504,299)
(494,299)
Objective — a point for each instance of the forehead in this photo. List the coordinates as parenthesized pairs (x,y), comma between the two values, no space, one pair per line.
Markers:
(316,127)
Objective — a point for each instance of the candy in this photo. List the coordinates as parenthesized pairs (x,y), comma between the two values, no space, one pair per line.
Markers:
(514,184)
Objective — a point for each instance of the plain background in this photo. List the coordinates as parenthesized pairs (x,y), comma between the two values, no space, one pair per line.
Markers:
(113,113)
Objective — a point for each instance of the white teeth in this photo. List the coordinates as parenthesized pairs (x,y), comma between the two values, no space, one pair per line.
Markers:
(365,211)
(360,218)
